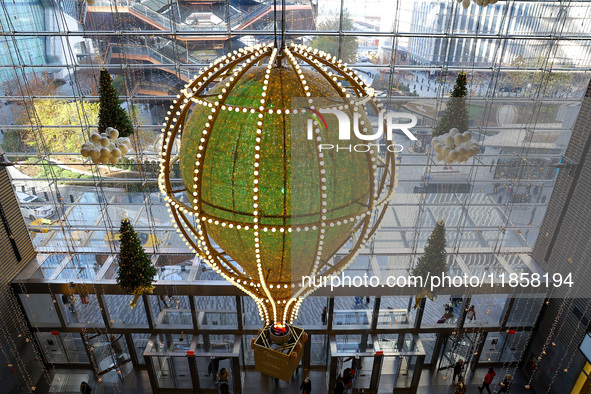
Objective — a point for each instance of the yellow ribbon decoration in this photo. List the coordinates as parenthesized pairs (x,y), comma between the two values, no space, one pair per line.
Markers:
(138,292)
(424,293)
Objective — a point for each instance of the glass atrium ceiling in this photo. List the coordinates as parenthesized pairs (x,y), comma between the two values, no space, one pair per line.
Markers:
(532,56)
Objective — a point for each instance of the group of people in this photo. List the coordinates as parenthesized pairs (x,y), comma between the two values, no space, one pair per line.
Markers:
(460,385)
(69,301)
(341,387)
(448,313)
(345,382)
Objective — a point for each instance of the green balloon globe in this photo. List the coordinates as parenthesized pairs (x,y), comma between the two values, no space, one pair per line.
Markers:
(269,205)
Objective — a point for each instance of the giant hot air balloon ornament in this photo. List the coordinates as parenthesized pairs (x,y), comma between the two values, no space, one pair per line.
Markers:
(268,205)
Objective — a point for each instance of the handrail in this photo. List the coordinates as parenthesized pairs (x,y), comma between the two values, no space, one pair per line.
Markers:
(156,56)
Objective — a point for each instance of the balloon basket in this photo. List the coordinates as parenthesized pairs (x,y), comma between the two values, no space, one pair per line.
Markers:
(280,335)
(279,356)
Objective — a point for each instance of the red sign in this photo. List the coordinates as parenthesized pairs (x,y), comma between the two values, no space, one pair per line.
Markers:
(380,352)
(512,332)
(56,333)
(190,353)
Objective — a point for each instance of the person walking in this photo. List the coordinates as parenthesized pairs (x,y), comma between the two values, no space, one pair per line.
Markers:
(85,388)
(340,386)
(213,367)
(66,301)
(460,387)
(163,300)
(347,378)
(488,378)
(223,376)
(306,386)
(116,345)
(448,313)
(471,314)
(356,363)
(458,368)
(324,316)
(70,304)
(506,384)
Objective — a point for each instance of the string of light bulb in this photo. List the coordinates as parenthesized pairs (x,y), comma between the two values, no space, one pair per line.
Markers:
(192,222)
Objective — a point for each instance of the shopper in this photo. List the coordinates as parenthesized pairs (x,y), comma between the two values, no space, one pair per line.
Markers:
(460,387)
(471,315)
(324,316)
(488,378)
(66,300)
(163,299)
(69,302)
(85,388)
(340,386)
(448,312)
(116,345)
(458,369)
(347,378)
(306,386)
(455,301)
(213,367)
(506,384)
(223,376)
(224,388)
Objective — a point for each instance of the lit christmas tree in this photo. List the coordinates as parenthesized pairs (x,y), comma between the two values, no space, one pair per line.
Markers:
(433,261)
(136,272)
(456,113)
(110,113)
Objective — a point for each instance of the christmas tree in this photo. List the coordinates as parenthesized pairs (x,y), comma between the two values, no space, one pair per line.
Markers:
(434,261)
(110,113)
(136,272)
(456,113)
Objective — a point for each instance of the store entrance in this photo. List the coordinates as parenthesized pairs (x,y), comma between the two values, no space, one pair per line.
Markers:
(403,358)
(374,364)
(110,354)
(351,357)
(458,347)
(180,363)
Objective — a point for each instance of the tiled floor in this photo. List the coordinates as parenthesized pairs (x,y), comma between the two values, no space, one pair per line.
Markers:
(137,382)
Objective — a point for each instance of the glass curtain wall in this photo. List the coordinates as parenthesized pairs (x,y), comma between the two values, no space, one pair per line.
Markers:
(527,65)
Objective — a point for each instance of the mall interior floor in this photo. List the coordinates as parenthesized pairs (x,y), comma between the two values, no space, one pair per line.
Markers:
(137,382)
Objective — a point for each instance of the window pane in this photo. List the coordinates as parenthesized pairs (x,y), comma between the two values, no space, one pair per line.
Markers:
(217,311)
(121,315)
(40,309)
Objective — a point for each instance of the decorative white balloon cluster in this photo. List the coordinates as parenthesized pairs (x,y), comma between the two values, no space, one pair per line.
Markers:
(107,147)
(454,147)
(482,3)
